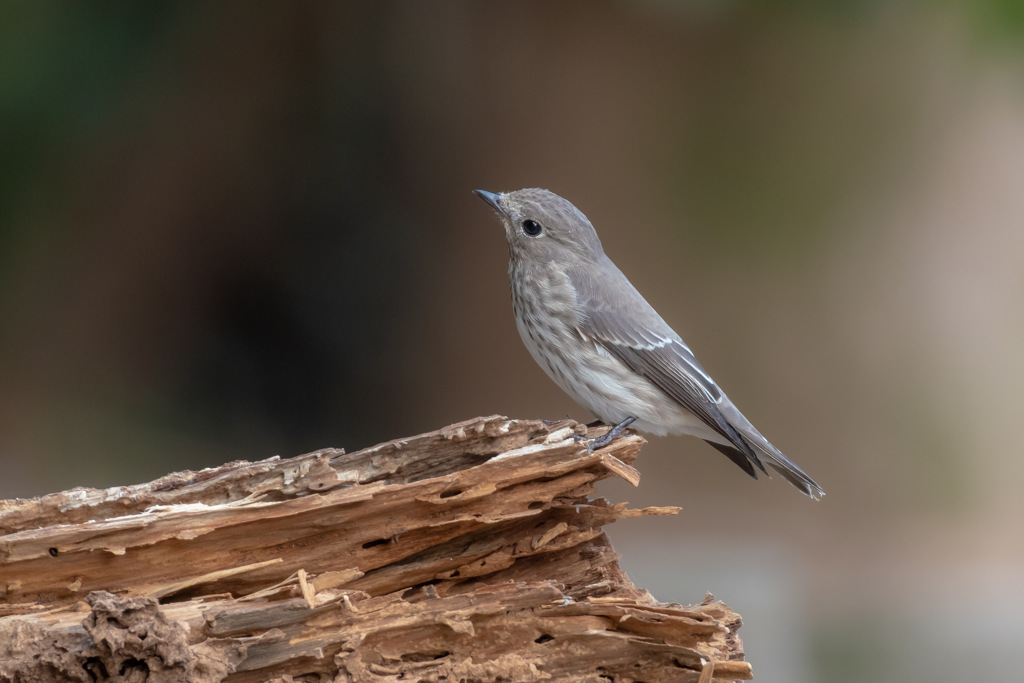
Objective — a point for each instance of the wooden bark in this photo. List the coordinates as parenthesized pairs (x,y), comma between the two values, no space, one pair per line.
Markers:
(472,553)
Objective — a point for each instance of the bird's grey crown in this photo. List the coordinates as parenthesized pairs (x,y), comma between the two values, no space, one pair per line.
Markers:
(561,220)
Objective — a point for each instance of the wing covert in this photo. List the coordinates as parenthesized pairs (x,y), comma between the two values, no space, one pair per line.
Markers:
(622,321)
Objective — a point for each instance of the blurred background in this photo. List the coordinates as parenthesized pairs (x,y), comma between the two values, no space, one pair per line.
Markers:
(240,229)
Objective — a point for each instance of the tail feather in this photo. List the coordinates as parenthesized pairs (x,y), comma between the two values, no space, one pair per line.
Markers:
(773,457)
(744,461)
(789,470)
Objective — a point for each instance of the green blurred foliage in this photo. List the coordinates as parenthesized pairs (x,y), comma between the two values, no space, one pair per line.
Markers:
(998,23)
(64,67)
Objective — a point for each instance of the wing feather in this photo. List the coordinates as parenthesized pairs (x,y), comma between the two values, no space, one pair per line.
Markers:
(622,321)
(631,330)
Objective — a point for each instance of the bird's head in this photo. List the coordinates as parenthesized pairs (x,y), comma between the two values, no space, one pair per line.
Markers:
(540,226)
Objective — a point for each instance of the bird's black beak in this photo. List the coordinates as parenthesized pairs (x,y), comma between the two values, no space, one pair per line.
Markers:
(491,199)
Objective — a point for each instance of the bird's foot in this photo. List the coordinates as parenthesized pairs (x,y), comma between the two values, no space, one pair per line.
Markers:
(606,438)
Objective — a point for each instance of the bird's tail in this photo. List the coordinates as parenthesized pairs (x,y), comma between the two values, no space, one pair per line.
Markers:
(771,455)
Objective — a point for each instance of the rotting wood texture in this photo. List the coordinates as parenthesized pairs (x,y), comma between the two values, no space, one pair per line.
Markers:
(472,553)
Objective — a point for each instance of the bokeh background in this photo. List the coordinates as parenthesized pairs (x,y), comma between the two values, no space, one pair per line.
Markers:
(240,229)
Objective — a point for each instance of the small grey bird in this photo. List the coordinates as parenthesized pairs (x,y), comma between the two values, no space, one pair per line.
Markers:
(593,333)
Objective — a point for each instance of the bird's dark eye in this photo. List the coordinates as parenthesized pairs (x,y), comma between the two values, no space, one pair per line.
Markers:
(531,227)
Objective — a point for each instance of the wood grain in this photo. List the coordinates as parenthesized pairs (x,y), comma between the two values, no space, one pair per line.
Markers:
(471,553)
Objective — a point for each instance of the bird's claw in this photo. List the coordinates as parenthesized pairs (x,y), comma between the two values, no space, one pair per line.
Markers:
(606,438)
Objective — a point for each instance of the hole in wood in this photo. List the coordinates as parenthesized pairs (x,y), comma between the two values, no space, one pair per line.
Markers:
(379,541)
(137,667)
(94,667)
(450,493)
(424,656)
(544,637)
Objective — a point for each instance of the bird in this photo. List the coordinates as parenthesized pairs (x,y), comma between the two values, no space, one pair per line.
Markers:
(598,339)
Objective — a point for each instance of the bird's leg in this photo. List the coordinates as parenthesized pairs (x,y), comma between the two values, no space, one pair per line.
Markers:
(606,438)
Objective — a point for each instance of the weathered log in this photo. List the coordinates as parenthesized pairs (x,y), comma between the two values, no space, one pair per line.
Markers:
(472,553)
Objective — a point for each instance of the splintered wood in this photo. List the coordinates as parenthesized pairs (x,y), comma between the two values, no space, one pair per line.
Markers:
(472,553)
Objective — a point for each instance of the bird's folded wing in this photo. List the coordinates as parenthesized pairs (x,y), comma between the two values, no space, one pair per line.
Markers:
(631,330)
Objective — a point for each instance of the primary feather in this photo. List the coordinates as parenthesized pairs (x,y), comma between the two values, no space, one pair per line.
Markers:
(640,338)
